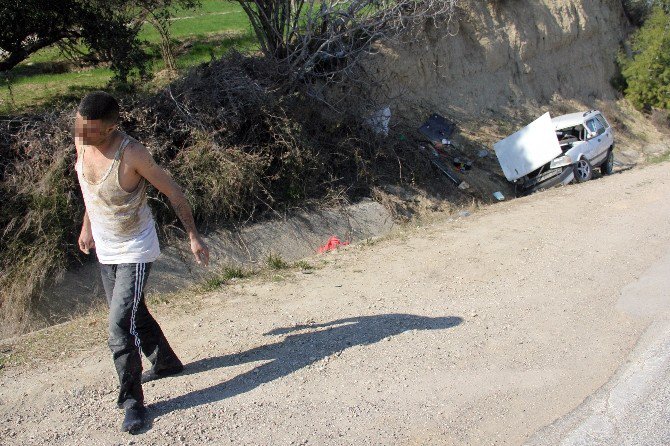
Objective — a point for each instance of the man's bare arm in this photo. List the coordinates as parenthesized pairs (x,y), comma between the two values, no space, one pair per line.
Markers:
(142,161)
(86,242)
(86,222)
(183,211)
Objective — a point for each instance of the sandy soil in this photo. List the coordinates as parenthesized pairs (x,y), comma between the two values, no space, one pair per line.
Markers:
(478,330)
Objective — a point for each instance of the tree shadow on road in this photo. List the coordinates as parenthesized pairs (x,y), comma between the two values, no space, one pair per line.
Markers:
(295,352)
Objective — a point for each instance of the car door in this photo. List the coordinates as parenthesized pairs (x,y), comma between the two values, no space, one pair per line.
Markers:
(608,137)
(596,142)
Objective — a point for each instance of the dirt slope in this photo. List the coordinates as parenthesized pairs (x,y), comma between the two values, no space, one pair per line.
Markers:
(479,330)
(500,55)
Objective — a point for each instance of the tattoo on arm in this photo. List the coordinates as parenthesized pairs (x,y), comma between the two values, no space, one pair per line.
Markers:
(183,211)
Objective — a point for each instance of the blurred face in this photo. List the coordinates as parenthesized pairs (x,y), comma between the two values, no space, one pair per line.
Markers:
(92,132)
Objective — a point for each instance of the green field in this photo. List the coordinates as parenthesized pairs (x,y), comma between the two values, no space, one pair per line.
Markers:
(199,35)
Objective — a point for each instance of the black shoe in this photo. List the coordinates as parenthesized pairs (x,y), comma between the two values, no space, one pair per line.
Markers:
(134,419)
(151,375)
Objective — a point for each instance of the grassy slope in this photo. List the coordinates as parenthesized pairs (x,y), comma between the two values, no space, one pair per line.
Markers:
(210,30)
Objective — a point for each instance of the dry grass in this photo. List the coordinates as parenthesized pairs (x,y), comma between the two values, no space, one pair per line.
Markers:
(661,120)
(41,204)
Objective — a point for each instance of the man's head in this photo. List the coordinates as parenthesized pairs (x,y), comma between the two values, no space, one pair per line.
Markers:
(97,116)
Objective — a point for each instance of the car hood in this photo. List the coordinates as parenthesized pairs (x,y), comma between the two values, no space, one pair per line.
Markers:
(528,149)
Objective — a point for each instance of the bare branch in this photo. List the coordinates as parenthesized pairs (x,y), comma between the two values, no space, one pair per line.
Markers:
(322,41)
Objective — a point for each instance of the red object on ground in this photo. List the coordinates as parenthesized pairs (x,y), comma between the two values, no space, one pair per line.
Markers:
(333,243)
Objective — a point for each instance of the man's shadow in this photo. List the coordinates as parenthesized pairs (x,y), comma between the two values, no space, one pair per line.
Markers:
(295,352)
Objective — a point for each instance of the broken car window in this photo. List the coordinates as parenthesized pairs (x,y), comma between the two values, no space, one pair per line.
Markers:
(571,134)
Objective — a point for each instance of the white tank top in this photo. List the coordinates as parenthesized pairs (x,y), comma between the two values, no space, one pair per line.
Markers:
(123,227)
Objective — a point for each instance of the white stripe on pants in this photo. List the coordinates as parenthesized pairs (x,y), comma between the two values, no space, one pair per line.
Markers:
(139,284)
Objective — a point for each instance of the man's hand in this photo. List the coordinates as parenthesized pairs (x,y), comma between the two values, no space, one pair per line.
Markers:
(199,249)
(86,242)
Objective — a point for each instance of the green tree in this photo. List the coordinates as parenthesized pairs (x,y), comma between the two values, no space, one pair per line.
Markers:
(108,28)
(647,73)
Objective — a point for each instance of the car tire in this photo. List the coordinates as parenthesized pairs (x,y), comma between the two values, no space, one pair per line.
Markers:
(608,166)
(583,170)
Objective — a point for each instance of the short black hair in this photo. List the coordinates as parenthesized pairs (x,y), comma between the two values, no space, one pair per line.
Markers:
(99,105)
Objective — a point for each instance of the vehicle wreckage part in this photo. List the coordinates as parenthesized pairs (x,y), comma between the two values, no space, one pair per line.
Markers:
(528,149)
(561,161)
(445,170)
(437,128)
(551,178)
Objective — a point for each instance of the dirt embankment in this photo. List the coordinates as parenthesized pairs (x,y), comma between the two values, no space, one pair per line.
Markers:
(498,56)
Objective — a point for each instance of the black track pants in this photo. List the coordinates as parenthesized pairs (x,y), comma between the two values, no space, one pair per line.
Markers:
(131,328)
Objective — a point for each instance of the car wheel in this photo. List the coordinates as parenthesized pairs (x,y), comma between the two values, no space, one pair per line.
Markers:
(583,170)
(608,166)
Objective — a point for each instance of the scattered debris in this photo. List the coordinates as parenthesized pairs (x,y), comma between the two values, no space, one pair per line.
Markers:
(483,153)
(462,164)
(437,129)
(437,161)
(499,196)
(379,121)
(332,244)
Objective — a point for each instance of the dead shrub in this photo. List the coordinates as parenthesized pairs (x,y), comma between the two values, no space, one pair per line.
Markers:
(40,202)
(220,183)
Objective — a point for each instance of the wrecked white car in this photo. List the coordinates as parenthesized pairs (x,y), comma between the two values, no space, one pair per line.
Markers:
(549,151)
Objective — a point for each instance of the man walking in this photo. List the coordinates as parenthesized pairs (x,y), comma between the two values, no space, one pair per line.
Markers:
(113,171)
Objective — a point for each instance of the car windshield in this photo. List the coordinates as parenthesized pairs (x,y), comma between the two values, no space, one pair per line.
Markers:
(570,134)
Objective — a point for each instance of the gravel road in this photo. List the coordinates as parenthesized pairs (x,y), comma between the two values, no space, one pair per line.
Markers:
(477,330)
